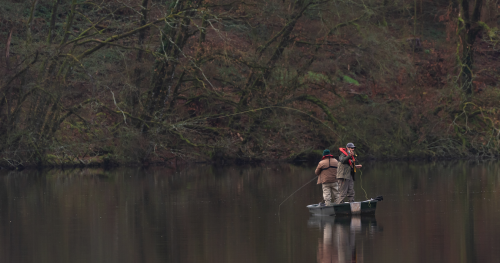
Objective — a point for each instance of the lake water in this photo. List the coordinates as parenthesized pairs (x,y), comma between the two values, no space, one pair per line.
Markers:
(432,212)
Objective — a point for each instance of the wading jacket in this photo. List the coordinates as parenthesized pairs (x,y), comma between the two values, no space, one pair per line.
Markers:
(345,170)
(327,170)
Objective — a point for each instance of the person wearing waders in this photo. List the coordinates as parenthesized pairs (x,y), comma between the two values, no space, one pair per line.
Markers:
(346,173)
(327,177)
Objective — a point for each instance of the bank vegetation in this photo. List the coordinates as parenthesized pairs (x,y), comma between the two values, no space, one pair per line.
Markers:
(148,81)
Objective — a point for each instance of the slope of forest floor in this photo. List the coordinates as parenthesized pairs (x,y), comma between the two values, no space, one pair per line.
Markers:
(141,82)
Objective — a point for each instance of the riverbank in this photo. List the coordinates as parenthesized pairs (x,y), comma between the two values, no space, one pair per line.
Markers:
(306,157)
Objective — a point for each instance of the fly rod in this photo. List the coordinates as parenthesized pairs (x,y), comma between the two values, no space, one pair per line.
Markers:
(279,207)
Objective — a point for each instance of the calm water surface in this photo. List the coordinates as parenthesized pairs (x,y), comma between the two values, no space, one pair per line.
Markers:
(432,212)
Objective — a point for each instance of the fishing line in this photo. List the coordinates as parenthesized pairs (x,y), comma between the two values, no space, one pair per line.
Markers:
(361,183)
(279,207)
(343,194)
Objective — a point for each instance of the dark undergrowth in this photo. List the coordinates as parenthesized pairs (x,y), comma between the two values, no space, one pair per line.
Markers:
(141,82)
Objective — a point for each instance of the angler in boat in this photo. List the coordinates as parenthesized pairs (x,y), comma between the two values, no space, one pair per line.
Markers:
(327,177)
(346,173)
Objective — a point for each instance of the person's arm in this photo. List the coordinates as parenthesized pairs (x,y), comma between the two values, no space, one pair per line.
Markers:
(344,159)
(318,169)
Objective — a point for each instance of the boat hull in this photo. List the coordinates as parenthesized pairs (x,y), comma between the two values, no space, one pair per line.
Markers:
(367,207)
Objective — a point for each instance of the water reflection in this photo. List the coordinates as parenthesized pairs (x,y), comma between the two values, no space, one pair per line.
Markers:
(338,242)
(432,212)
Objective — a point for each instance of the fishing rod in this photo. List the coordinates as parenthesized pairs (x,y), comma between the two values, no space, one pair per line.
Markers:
(279,207)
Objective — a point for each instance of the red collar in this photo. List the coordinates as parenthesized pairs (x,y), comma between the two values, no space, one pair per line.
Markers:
(329,156)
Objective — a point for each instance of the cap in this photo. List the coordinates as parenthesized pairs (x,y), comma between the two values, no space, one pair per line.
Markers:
(350,145)
(326,152)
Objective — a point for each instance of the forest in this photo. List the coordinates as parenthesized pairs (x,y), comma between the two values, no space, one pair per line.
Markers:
(109,82)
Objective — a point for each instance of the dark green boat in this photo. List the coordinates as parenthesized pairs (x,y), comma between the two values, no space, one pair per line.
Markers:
(355,208)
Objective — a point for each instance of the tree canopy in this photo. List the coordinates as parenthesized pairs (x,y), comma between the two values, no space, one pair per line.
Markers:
(142,81)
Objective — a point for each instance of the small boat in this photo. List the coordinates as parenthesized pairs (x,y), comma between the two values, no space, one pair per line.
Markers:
(354,208)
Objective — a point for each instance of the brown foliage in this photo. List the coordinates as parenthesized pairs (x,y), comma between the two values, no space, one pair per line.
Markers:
(251,79)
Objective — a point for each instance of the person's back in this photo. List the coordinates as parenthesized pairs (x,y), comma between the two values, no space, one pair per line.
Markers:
(327,177)
(327,170)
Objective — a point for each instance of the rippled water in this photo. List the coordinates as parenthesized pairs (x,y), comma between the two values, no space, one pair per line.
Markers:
(432,212)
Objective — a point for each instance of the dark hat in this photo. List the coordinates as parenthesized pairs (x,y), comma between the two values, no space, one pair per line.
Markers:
(350,145)
(326,152)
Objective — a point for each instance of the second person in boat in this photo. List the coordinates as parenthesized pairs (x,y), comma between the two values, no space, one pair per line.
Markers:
(346,173)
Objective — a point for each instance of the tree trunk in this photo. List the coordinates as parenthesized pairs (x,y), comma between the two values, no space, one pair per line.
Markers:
(30,21)
(134,100)
(69,22)
(471,29)
(53,21)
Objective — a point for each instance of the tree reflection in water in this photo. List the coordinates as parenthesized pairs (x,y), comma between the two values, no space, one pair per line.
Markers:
(338,243)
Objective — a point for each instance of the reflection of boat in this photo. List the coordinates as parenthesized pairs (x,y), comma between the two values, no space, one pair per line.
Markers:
(354,208)
(353,222)
(338,241)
